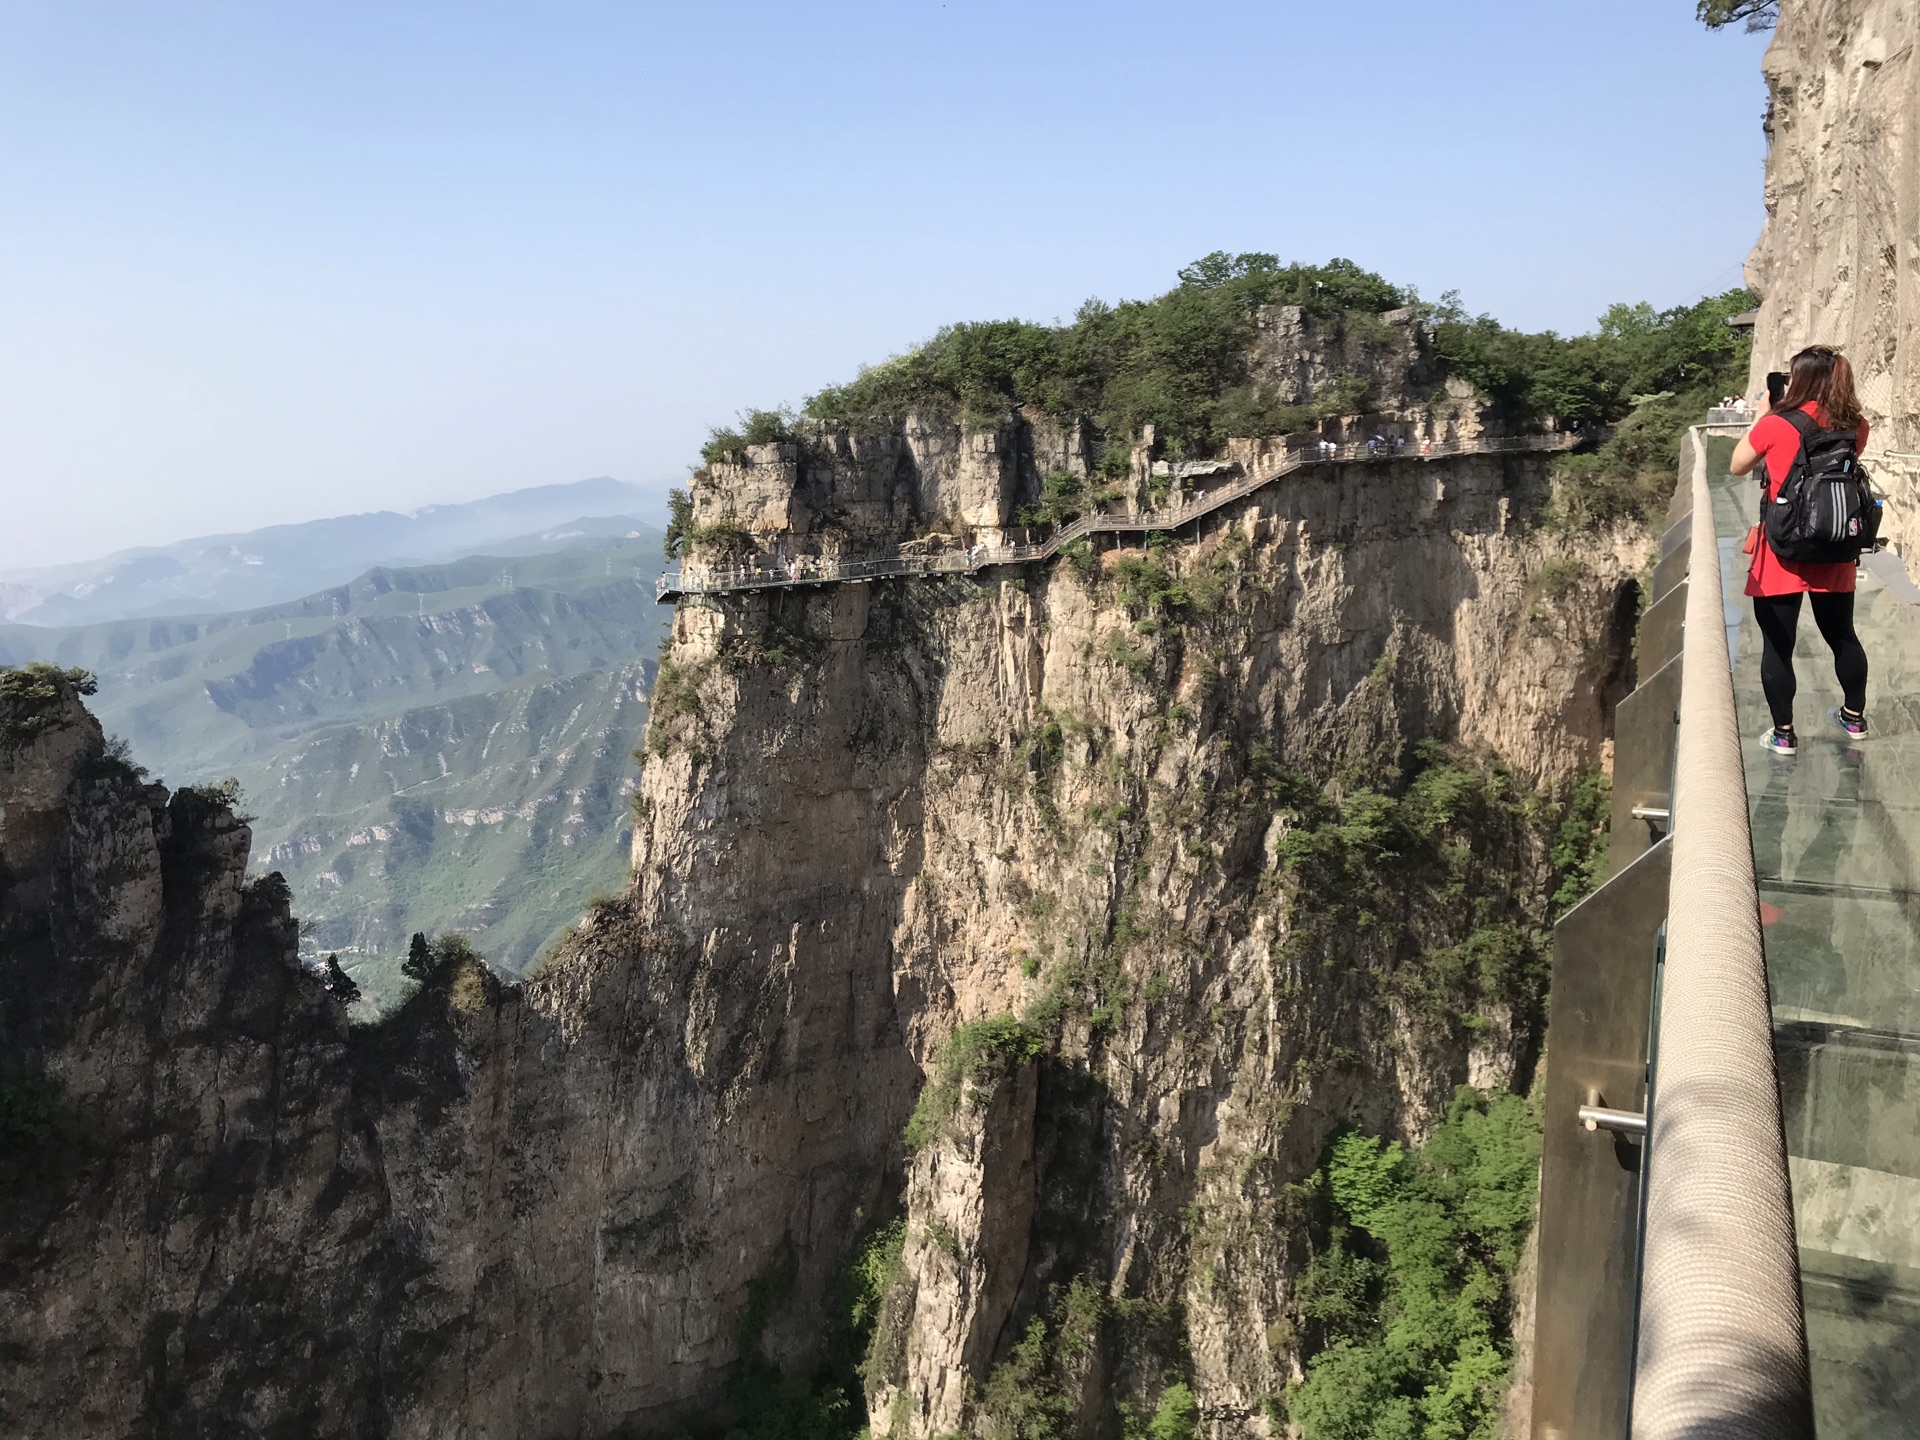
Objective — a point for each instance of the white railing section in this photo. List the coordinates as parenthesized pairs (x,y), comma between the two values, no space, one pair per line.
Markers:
(833,569)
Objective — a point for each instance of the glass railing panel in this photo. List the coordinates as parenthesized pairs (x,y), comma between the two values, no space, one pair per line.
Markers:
(1836,838)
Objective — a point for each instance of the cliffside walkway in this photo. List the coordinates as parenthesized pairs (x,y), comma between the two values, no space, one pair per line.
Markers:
(1730,1172)
(836,570)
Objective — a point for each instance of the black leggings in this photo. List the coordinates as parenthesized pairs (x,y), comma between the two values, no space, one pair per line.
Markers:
(1778,616)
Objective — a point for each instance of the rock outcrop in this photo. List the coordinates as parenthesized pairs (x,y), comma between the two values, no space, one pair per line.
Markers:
(871,817)
(1042,796)
(501,1211)
(1839,260)
(845,490)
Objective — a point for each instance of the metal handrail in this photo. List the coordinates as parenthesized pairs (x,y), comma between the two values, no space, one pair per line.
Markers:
(1722,1337)
(827,569)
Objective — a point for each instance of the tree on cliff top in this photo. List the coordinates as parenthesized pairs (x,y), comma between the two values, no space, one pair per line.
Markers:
(1718,14)
(1181,362)
(1178,361)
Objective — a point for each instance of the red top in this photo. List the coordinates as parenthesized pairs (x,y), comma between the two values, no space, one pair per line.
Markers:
(1778,445)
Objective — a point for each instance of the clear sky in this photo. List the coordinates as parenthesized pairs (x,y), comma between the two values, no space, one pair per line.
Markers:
(266,262)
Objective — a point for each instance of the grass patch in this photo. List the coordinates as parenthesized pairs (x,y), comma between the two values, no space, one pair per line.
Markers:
(975,1054)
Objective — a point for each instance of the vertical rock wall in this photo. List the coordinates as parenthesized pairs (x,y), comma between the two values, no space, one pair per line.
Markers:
(870,817)
(1839,260)
(1046,793)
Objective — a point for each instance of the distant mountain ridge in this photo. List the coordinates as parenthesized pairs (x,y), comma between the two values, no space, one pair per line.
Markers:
(247,570)
(422,748)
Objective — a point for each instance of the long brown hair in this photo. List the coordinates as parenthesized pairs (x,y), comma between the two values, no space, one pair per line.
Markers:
(1821,374)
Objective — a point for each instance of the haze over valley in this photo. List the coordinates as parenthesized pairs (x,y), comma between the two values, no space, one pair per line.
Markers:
(421,747)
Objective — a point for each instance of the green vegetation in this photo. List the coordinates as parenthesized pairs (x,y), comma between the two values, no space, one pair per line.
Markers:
(1038,1389)
(728,539)
(756,427)
(1064,496)
(1176,1417)
(679,524)
(339,983)
(1636,352)
(1407,1304)
(30,695)
(1579,851)
(1365,860)
(1029,1395)
(1758,14)
(420,962)
(828,1403)
(449,964)
(1651,372)
(1154,597)
(1178,362)
(974,1054)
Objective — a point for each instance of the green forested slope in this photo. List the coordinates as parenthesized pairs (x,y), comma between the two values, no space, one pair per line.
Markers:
(498,814)
(425,748)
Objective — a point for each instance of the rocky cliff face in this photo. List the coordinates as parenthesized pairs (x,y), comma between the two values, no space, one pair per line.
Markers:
(1839,260)
(1083,859)
(934,479)
(1057,797)
(501,1211)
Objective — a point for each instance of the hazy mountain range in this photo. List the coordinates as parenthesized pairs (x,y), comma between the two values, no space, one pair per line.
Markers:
(424,747)
(283,562)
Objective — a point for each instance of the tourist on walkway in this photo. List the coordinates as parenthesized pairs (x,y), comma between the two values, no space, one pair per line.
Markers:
(1820,384)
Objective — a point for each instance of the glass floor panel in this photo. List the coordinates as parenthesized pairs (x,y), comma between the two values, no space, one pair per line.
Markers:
(1836,842)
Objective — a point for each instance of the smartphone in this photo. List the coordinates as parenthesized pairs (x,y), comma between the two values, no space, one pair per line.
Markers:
(1776,388)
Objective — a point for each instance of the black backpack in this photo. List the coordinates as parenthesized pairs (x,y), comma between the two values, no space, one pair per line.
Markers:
(1825,510)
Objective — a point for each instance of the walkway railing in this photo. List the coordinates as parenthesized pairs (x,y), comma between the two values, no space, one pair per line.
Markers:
(1722,1343)
(828,569)
(1669,1301)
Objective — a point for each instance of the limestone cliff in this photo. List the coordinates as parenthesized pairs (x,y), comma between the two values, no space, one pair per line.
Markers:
(1839,259)
(1049,795)
(870,817)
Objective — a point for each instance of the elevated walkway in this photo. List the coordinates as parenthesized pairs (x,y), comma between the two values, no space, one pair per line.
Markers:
(1836,848)
(1729,1227)
(837,570)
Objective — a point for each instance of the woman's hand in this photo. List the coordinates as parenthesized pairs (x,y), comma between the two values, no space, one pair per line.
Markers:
(1745,457)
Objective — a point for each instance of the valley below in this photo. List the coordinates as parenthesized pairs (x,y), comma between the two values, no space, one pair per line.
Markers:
(425,748)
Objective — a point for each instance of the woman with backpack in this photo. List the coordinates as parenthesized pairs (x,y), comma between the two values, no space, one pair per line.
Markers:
(1811,443)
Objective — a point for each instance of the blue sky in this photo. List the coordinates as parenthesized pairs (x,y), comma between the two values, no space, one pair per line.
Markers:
(265,262)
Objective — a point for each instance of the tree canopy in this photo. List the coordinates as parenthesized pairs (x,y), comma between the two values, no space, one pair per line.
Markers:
(1182,362)
(1178,361)
(1758,14)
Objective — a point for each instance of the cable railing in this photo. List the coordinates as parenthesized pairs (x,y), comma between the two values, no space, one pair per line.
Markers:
(773,573)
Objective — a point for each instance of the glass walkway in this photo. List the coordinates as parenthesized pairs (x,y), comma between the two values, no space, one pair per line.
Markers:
(1836,839)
